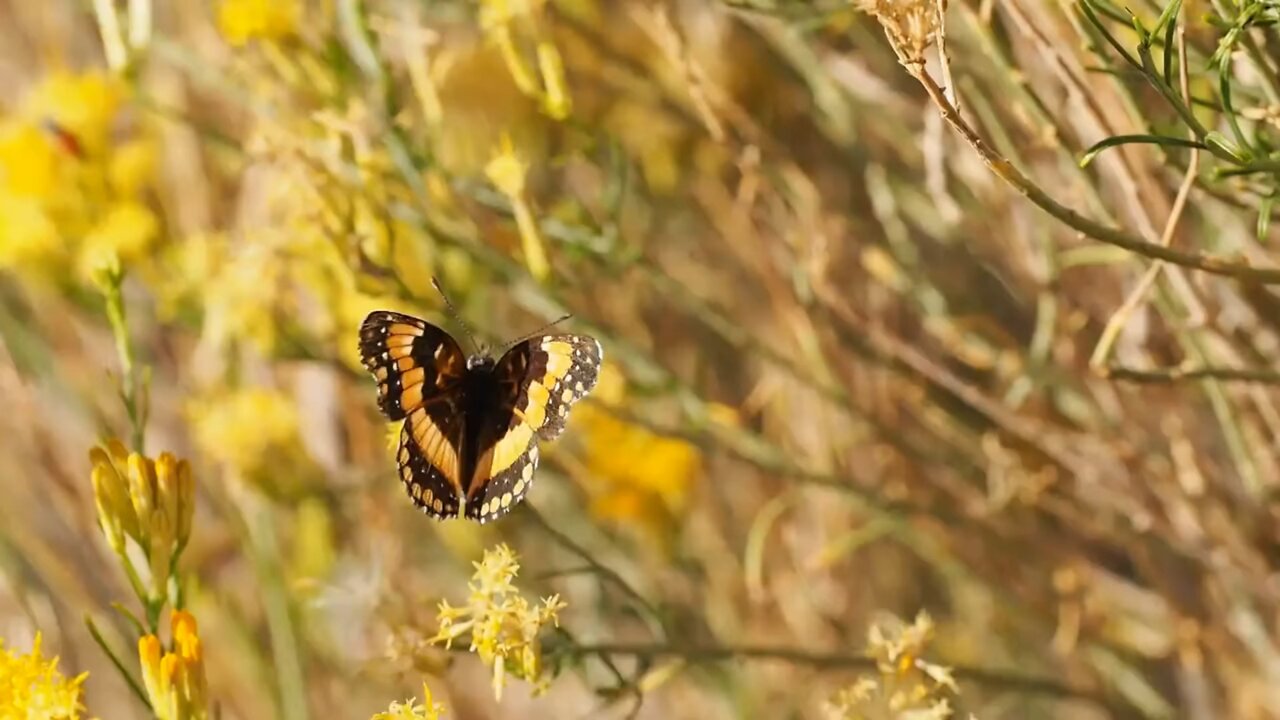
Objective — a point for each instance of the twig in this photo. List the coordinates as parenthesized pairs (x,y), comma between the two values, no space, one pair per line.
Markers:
(1174,374)
(596,566)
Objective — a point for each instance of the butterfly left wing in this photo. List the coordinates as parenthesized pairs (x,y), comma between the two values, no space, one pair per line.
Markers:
(420,371)
(538,381)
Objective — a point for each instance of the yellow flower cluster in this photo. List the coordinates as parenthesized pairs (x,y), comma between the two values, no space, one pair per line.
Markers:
(71,193)
(251,429)
(244,20)
(411,710)
(148,501)
(642,477)
(32,687)
(174,678)
(907,687)
(503,625)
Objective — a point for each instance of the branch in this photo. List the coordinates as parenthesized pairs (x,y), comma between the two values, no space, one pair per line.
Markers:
(831,661)
(1174,374)
(1005,170)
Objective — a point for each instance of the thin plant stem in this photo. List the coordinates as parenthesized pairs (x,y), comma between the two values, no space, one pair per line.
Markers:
(993,679)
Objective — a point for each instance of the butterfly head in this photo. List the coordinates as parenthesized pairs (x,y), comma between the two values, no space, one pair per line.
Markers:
(481,361)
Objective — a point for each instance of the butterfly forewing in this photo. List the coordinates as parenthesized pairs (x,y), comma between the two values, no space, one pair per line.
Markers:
(538,380)
(412,360)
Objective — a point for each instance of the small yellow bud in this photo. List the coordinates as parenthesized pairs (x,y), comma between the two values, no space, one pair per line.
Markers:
(160,553)
(149,655)
(142,486)
(556,102)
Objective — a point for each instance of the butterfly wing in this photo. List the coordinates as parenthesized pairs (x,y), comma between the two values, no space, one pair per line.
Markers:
(420,371)
(538,381)
(412,360)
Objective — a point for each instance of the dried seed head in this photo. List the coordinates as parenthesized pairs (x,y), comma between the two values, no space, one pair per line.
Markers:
(909,24)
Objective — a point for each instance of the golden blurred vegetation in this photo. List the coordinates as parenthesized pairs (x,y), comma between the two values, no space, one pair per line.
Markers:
(964,311)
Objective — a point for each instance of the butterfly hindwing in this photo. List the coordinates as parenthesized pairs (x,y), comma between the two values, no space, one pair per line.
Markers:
(430,488)
(538,381)
(412,360)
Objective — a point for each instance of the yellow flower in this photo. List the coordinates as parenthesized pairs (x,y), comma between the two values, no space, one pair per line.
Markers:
(503,625)
(242,426)
(28,236)
(644,477)
(32,687)
(149,501)
(28,161)
(83,106)
(131,167)
(507,173)
(126,231)
(175,680)
(507,170)
(411,710)
(243,20)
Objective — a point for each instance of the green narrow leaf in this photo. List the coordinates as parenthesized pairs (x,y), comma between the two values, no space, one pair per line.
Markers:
(1088,8)
(1167,20)
(1224,91)
(1119,140)
(132,682)
(1217,141)
(1144,36)
(1172,19)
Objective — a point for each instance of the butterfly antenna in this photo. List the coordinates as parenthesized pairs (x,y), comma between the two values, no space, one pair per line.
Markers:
(457,317)
(537,332)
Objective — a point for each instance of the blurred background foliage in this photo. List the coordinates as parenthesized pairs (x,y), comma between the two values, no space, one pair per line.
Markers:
(967,307)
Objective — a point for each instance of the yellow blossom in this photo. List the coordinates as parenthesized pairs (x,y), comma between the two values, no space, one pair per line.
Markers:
(126,231)
(243,426)
(507,170)
(84,106)
(131,167)
(175,680)
(32,687)
(243,20)
(503,626)
(28,161)
(507,173)
(642,476)
(411,710)
(28,236)
(148,501)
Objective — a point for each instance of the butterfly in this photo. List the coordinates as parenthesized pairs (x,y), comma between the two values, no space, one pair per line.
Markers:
(469,442)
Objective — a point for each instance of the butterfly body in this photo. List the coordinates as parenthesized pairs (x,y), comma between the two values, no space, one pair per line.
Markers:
(469,443)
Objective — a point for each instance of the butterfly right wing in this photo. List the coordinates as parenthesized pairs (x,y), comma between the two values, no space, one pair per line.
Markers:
(419,369)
